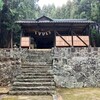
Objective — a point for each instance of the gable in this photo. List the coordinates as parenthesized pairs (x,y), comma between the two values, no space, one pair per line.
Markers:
(44,18)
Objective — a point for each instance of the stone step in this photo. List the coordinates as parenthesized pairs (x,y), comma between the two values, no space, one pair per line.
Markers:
(35,80)
(33,56)
(33,77)
(39,57)
(39,52)
(36,60)
(36,63)
(31,84)
(36,66)
(40,68)
(36,74)
(31,92)
(34,88)
(34,71)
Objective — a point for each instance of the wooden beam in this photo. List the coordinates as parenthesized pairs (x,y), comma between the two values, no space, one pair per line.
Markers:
(79,38)
(52,28)
(63,38)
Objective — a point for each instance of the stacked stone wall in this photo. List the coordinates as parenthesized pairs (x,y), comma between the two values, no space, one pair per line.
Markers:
(76,67)
(72,67)
(10,63)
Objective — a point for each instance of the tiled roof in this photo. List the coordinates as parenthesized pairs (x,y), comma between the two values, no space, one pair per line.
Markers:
(67,21)
(45,19)
(70,19)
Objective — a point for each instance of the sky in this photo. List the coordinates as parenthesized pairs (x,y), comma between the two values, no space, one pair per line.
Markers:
(55,2)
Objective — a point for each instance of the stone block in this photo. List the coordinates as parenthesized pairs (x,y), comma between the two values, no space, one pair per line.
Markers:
(78,85)
(95,48)
(77,68)
(72,49)
(89,49)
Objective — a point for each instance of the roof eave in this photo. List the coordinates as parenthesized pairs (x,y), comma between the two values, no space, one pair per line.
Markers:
(47,22)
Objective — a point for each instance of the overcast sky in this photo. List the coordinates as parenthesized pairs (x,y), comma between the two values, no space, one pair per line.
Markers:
(56,2)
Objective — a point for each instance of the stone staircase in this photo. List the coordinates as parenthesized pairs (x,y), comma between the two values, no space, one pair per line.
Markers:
(35,77)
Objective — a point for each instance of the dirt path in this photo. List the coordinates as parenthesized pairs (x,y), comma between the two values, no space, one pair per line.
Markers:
(62,94)
(26,97)
(79,94)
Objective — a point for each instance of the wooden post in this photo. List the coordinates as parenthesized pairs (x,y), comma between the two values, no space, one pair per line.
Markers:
(55,39)
(89,33)
(92,37)
(72,39)
(29,41)
(98,28)
(20,38)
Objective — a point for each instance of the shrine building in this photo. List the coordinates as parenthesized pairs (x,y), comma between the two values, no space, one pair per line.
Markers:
(45,33)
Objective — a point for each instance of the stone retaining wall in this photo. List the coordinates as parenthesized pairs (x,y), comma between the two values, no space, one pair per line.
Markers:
(72,67)
(10,62)
(76,67)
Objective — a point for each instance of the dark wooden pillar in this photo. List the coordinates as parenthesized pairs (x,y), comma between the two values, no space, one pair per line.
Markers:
(89,33)
(55,39)
(92,35)
(98,28)
(21,34)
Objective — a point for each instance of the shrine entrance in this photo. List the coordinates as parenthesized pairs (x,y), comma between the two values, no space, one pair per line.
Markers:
(43,40)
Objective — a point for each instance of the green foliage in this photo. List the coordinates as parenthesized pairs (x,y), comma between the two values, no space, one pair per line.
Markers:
(95,38)
(89,9)
(7,26)
(14,10)
(48,11)
(1,4)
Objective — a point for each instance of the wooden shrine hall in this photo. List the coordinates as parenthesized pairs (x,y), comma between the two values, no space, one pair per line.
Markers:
(44,33)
